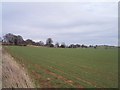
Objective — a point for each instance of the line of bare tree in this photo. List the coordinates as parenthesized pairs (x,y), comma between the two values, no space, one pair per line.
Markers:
(11,39)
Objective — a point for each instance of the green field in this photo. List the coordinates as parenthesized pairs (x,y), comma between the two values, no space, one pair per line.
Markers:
(69,68)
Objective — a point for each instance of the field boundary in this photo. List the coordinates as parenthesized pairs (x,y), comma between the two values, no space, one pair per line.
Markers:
(13,74)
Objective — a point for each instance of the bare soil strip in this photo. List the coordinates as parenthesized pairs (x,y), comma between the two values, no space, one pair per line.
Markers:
(13,74)
(70,82)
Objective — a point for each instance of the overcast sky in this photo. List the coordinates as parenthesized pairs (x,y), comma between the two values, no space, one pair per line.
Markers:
(70,22)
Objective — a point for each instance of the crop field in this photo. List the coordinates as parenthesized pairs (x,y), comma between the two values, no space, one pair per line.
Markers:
(68,67)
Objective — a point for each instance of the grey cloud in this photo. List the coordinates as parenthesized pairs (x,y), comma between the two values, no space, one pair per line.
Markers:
(61,21)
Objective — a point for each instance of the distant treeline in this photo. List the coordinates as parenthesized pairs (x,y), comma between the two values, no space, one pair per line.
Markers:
(11,39)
